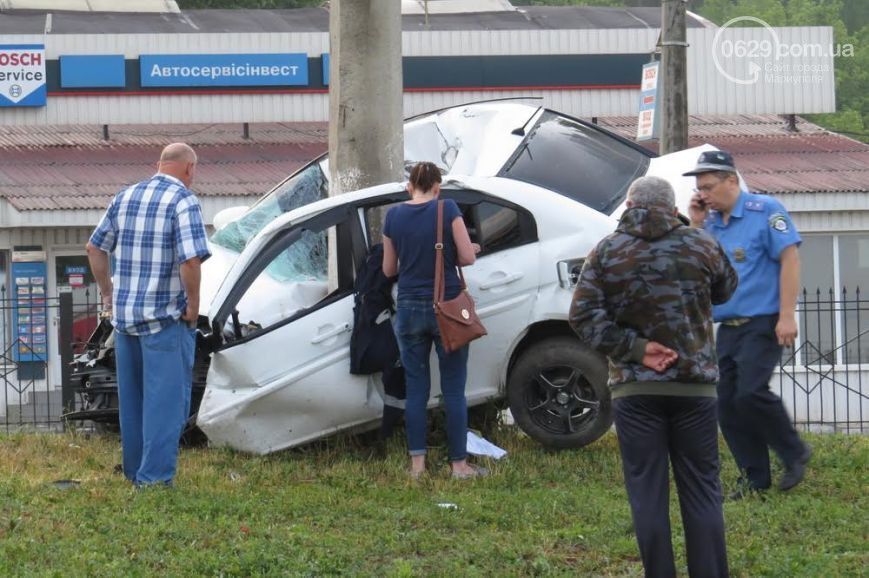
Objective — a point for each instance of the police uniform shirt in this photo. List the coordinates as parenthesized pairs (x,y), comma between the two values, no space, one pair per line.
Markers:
(758,231)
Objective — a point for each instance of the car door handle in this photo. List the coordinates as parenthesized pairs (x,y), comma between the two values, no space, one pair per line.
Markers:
(321,337)
(506,280)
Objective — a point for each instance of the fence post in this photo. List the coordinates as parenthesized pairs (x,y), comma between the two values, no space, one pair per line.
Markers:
(67,395)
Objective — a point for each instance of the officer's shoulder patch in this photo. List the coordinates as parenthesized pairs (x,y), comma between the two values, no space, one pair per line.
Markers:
(754,205)
(778,222)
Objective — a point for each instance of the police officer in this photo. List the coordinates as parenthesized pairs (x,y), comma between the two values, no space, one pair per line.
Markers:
(761,242)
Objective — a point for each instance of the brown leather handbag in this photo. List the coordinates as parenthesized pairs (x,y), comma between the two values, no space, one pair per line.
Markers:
(457,318)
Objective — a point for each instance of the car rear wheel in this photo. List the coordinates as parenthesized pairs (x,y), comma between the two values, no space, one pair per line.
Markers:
(558,393)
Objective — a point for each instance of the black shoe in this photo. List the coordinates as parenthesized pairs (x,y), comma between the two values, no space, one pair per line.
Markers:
(795,472)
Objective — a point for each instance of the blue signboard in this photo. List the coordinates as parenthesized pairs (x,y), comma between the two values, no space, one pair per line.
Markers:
(30,319)
(223,69)
(22,75)
(325,60)
(101,71)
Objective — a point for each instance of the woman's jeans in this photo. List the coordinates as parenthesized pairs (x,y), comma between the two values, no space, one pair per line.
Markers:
(416,329)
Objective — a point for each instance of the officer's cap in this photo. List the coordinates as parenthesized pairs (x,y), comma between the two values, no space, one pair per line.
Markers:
(713,161)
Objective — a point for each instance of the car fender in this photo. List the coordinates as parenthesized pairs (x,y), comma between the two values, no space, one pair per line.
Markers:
(552,302)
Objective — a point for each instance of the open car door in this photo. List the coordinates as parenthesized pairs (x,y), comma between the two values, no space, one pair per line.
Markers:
(280,375)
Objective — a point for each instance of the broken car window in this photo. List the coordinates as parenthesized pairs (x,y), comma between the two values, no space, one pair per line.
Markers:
(304,260)
(294,280)
(305,187)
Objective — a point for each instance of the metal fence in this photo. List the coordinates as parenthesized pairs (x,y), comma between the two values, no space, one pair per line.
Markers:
(38,339)
(823,380)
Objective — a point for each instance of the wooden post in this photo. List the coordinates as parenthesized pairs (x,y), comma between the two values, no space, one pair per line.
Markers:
(674,79)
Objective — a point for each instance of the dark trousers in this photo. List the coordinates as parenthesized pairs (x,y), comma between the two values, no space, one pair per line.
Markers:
(753,419)
(652,431)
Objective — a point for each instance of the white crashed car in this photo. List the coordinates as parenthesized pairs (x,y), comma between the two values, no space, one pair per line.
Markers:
(538,189)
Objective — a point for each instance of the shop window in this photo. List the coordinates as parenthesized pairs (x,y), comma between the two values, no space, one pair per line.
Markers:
(854,280)
(817,324)
(834,304)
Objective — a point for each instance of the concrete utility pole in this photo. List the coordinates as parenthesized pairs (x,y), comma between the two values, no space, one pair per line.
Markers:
(366,129)
(674,80)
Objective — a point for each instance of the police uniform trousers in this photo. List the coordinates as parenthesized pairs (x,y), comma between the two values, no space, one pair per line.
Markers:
(753,419)
(654,430)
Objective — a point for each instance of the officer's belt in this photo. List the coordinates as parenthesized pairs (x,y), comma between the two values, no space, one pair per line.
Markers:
(736,321)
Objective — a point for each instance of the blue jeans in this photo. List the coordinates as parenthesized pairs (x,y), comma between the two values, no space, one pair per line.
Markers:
(416,329)
(155,378)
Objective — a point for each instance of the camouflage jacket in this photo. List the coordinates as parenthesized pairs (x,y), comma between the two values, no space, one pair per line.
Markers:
(653,279)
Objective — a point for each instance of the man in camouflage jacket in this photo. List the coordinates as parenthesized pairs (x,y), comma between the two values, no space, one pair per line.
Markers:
(644,300)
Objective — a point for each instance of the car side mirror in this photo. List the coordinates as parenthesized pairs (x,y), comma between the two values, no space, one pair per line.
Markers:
(227,216)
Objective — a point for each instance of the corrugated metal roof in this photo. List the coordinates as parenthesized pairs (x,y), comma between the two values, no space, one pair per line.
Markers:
(772,158)
(719,125)
(317,20)
(87,136)
(55,176)
(52,168)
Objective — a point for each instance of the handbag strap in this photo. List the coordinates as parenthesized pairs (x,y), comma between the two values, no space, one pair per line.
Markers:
(440,274)
(439,256)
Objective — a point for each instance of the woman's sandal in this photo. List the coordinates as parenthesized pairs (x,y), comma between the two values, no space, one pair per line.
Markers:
(476,472)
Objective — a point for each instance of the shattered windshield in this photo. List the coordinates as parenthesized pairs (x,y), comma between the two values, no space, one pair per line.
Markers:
(304,187)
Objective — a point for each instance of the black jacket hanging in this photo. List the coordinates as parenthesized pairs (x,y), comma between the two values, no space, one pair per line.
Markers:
(373,346)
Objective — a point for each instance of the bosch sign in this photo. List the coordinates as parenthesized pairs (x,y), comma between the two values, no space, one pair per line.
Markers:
(22,75)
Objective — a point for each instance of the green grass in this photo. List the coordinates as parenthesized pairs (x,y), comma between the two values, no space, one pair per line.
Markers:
(333,509)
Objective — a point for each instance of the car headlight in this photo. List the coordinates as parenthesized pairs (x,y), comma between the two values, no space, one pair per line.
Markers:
(568,272)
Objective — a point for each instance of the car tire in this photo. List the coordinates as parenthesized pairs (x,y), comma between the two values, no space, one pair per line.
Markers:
(558,394)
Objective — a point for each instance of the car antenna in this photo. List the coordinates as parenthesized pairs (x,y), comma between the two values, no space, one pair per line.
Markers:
(521,130)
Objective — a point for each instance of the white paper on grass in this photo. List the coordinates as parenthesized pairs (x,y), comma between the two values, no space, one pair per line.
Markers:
(482,447)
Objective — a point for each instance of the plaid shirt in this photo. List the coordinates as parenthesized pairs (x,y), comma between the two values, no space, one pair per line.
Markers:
(150,229)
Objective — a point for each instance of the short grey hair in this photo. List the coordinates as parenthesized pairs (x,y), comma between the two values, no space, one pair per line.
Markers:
(652,192)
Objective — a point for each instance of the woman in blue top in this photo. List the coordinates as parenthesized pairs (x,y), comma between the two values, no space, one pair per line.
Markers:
(409,236)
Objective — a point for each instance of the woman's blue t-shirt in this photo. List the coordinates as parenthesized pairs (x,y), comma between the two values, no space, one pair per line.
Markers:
(412,230)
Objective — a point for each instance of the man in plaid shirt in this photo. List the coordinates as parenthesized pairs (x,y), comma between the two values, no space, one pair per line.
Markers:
(155,234)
